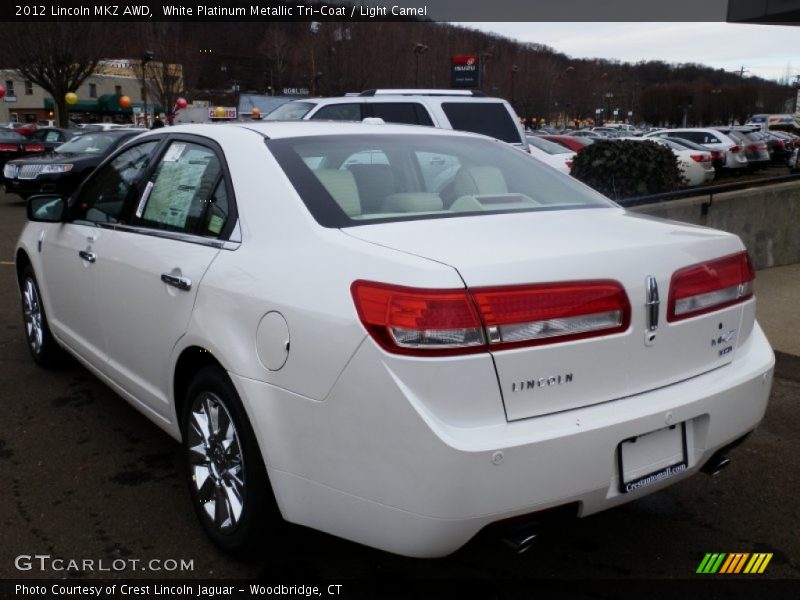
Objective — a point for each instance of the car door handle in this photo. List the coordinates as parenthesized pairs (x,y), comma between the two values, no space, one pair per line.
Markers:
(88,256)
(182,283)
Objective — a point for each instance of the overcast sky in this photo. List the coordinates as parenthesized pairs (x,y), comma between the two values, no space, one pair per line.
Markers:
(763,50)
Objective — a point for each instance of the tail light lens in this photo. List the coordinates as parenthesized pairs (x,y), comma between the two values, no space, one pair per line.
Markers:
(716,155)
(569,164)
(8,147)
(701,157)
(447,322)
(710,286)
(34,147)
(735,149)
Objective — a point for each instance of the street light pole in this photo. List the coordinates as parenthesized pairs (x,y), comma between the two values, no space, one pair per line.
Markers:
(419,49)
(148,56)
(514,71)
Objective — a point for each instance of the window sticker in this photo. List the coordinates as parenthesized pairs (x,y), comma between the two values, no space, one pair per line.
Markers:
(215,224)
(174,152)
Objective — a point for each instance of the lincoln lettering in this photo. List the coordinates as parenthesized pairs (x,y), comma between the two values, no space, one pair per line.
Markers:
(529,384)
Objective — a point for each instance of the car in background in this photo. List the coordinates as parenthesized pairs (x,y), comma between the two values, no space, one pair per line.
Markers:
(14,145)
(400,373)
(586,133)
(781,148)
(696,166)
(104,126)
(755,148)
(50,138)
(717,156)
(573,142)
(21,128)
(63,170)
(461,110)
(713,139)
(555,155)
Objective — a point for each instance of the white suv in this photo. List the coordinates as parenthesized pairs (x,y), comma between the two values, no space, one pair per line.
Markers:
(463,110)
(713,139)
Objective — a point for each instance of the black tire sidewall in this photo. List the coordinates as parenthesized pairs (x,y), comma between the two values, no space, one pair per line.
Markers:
(50,352)
(259,512)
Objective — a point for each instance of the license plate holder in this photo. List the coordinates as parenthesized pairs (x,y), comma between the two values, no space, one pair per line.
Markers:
(652,457)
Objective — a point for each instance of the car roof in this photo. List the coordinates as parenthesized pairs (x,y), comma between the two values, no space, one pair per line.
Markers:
(292,129)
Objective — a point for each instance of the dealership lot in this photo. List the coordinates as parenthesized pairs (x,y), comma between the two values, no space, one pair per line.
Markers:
(85,476)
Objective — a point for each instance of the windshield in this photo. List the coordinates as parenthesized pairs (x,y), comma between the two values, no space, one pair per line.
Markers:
(348,180)
(291,111)
(90,143)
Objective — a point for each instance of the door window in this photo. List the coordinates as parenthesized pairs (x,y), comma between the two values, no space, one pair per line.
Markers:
(410,113)
(187,194)
(338,112)
(101,199)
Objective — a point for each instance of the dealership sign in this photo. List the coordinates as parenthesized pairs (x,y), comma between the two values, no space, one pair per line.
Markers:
(465,71)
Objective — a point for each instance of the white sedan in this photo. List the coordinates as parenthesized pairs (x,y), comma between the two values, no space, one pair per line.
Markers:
(697,167)
(555,155)
(340,338)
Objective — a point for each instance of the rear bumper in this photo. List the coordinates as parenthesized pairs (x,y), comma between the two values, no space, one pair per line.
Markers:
(371,464)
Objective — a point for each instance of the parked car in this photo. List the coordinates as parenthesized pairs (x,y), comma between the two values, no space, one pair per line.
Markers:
(755,147)
(780,147)
(104,126)
(62,170)
(462,110)
(409,370)
(713,139)
(717,156)
(586,133)
(14,145)
(50,138)
(573,142)
(20,128)
(555,155)
(696,166)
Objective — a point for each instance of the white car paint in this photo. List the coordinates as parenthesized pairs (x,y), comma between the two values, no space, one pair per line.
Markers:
(561,162)
(711,138)
(410,454)
(695,172)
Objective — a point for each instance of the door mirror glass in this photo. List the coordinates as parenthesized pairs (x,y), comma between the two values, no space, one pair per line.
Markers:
(47,209)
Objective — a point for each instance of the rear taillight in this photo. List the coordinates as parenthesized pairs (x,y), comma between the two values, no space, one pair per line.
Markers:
(716,154)
(446,322)
(701,157)
(34,148)
(779,144)
(735,149)
(8,147)
(569,164)
(710,286)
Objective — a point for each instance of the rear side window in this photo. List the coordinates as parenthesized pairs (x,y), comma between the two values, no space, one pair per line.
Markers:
(488,118)
(338,112)
(291,111)
(409,113)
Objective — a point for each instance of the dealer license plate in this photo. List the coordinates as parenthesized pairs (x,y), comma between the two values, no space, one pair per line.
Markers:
(652,457)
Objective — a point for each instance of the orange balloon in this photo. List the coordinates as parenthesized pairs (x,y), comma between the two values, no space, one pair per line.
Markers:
(125,102)
(255,112)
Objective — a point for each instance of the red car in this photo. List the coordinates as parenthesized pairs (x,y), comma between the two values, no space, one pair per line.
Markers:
(21,128)
(574,143)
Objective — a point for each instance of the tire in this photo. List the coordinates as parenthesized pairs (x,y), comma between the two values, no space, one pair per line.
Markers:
(227,480)
(44,349)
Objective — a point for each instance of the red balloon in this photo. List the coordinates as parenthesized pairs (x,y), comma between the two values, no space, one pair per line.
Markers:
(2,92)
(181,103)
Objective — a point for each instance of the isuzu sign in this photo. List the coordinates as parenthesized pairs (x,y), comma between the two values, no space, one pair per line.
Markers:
(465,71)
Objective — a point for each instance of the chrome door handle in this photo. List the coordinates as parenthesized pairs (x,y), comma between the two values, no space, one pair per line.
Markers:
(182,283)
(88,256)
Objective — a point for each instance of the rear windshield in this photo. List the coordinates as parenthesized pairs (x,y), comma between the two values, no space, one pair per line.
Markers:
(488,118)
(89,143)
(291,111)
(359,179)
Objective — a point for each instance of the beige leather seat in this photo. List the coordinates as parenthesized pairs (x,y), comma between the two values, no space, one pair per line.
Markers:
(341,185)
(478,181)
(412,203)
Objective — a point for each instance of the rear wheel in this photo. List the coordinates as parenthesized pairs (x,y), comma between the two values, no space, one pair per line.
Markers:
(227,479)
(44,349)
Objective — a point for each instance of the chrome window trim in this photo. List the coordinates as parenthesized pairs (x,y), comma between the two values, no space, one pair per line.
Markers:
(230,244)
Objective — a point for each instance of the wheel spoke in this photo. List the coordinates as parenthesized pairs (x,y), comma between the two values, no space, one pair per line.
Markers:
(205,488)
(221,509)
(200,425)
(197,455)
(234,502)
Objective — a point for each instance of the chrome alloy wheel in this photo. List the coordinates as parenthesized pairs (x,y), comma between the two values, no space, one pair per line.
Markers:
(216,461)
(32,313)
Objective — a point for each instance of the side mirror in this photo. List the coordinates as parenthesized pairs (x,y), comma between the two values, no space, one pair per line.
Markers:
(47,208)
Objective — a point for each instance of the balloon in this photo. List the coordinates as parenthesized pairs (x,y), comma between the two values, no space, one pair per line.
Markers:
(181,103)
(71,97)
(125,102)
(256,113)
(2,92)
(219,112)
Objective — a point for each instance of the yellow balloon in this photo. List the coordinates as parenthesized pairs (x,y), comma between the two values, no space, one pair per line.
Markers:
(219,112)
(71,97)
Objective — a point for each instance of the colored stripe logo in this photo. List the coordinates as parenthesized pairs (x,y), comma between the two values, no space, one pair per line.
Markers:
(734,563)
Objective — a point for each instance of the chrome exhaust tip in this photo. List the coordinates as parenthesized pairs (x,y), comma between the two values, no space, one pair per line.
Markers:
(521,541)
(716,465)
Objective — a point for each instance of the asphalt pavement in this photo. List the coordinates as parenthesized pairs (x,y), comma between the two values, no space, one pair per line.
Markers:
(85,476)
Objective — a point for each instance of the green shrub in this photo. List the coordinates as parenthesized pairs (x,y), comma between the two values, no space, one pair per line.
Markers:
(626,168)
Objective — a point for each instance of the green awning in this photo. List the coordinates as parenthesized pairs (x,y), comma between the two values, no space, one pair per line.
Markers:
(107,103)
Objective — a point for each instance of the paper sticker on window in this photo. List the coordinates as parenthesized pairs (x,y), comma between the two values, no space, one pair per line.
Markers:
(174,152)
(215,224)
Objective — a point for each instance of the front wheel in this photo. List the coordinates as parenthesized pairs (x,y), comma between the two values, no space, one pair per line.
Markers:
(45,350)
(227,479)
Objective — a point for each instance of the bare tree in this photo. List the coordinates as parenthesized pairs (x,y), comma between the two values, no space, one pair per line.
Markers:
(168,50)
(59,57)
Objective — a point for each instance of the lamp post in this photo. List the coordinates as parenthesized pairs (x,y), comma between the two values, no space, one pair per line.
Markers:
(147,57)
(419,50)
(558,75)
(514,71)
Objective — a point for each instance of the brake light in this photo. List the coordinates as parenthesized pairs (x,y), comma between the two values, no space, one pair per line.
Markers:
(779,144)
(710,286)
(569,164)
(716,154)
(8,147)
(735,149)
(447,322)
(34,148)
(701,157)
